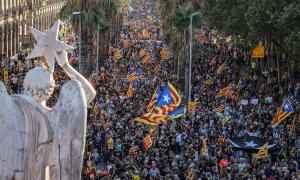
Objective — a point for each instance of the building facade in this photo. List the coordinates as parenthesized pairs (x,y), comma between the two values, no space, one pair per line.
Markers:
(16,16)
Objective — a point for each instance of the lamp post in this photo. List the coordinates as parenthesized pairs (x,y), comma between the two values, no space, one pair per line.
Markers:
(190,63)
(80,66)
(97,62)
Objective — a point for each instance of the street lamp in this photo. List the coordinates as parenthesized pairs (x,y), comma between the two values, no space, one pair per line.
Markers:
(79,14)
(97,62)
(190,63)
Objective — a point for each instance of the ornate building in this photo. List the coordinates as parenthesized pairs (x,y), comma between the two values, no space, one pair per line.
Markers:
(17,15)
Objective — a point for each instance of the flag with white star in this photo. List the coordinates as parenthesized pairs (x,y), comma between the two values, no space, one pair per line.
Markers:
(169,100)
(285,110)
(154,99)
(250,144)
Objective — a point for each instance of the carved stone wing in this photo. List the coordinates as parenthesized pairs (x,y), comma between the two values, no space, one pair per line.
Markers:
(70,109)
(68,122)
(11,136)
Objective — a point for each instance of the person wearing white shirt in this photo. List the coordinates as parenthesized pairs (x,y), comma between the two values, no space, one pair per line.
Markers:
(178,143)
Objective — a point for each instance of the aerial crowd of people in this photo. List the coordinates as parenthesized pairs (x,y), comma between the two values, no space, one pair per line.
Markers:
(193,146)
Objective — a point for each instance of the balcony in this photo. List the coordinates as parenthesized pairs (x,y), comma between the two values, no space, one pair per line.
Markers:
(7,13)
(15,11)
(23,9)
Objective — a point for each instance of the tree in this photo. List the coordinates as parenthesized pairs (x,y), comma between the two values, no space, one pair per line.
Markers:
(276,23)
(98,16)
(175,17)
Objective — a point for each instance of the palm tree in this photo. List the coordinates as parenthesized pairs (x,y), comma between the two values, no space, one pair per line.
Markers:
(98,16)
(91,16)
(176,27)
(180,19)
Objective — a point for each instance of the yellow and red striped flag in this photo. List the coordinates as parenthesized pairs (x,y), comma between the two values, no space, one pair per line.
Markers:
(222,140)
(190,175)
(131,77)
(165,55)
(146,58)
(212,62)
(102,115)
(153,100)
(118,88)
(146,33)
(157,69)
(126,43)
(143,52)
(225,91)
(239,87)
(207,81)
(225,120)
(222,68)
(106,125)
(129,91)
(262,153)
(285,110)
(133,151)
(118,55)
(89,165)
(91,81)
(147,142)
(153,119)
(96,106)
(165,108)
(219,109)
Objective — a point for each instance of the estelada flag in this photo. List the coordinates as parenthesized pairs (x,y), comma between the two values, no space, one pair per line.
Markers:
(283,112)
(154,99)
(169,100)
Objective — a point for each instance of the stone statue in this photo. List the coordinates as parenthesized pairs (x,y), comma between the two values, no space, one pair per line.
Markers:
(33,136)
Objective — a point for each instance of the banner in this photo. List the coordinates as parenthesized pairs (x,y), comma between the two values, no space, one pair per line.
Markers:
(258,52)
(244,102)
(254,101)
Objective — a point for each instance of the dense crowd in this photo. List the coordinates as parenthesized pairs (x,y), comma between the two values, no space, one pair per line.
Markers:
(177,150)
(114,144)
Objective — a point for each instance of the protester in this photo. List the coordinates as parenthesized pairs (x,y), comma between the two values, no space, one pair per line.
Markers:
(193,146)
